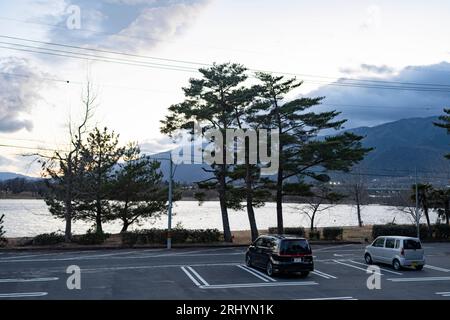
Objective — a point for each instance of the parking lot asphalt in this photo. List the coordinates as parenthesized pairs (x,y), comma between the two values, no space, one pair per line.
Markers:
(215,273)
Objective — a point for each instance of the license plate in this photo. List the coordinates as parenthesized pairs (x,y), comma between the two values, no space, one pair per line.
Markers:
(298,259)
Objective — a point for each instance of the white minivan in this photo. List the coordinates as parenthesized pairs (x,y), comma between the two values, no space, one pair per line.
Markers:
(397,251)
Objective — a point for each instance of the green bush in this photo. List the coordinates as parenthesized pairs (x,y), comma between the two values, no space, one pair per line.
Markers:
(314,235)
(332,233)
(442,231)
(399,230)
(158,236)
(91,238)
(47,239)
(298,231)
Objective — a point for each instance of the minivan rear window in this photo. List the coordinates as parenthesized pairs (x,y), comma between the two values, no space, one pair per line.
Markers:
(411,244)
(294,247)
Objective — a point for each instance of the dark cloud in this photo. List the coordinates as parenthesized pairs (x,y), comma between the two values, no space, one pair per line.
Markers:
(19,91)
(364,106)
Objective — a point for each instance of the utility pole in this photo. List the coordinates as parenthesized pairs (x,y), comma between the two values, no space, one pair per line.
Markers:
(169,216)
(417,207)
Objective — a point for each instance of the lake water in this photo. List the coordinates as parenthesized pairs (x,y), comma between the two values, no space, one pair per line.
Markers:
(26,218)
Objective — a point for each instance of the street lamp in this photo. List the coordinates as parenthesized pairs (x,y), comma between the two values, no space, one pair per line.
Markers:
(169,213)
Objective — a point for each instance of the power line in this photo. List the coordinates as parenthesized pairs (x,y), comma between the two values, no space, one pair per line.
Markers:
(366,83)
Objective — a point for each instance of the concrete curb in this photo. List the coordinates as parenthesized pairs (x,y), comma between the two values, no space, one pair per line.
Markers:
(178,246)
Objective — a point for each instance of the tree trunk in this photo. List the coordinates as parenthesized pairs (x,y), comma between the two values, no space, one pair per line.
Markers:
(125,226)
(68,219)
(425,211)
(249,193)
(98,218)
(312,223)
(447,212)
(358,207)
(223,205)
(279,200)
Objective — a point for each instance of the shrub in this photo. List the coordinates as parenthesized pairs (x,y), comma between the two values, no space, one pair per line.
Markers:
(399,230)
(314,235)
(298,231)
(332,233)
(158,236)
(91,238)
(442,231)
(47,239)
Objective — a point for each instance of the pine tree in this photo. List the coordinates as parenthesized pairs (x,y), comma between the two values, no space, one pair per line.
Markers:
(99,155)
(137,189)
(445,124)
(212,101)
(301,153)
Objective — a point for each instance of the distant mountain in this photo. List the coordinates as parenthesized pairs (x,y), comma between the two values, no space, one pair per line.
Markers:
(399,146)
(405,145)
(10,175)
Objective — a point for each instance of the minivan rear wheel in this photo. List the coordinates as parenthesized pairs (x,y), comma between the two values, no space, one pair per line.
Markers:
(368,258)
(396,264)
(269,269)
(248,260)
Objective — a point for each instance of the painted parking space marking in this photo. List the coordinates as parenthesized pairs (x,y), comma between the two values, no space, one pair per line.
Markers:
(330,298)
(436,268)
(323,274)
(355,267)
(23,295)
(253,273)
(383,269)
(419,279)
(28,280)
(201,283)
(443,294)
(258,285)
(261,274)
(198,276)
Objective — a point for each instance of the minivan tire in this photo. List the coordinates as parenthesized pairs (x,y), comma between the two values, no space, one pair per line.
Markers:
(269,269)
(419,268)
(368,258)
(304,274)
(396,264)
(248,261)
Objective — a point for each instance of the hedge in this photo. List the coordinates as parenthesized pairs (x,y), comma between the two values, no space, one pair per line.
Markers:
(159,236)
(47,239)
(438,231)
(91,238)
(314,235)
(332,233)
(298,231)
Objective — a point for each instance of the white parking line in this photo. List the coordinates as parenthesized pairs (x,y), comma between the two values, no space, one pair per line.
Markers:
(323,274)
(263,275)
(385,270)
(443,294)
(352,266)
(258,285)
(198,276)
(436,268)
(419,279)
(331,298)
(23,295)
(253,273)
(28,280)
(191,277)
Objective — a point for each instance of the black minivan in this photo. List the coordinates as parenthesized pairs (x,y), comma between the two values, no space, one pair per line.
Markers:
(281,253)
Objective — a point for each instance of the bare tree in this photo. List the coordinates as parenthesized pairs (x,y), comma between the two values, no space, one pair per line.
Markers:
(64,168)
(356,189)
(405,204)
(322,199)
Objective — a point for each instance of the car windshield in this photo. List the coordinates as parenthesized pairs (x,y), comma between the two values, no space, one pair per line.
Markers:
(294,247)
(412,244)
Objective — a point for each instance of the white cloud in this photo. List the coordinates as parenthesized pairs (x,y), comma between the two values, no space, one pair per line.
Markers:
(19,92)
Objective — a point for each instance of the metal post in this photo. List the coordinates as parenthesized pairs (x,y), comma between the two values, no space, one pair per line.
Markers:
(417,208)
(169,223)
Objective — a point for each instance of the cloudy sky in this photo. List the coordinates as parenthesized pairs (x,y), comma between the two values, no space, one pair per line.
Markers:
(382,44)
